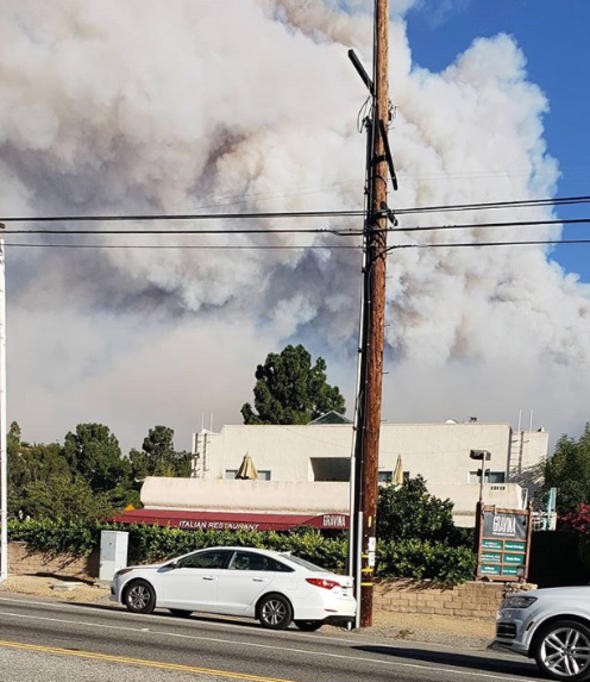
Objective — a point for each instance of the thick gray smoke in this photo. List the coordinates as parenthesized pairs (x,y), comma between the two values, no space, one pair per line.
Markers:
(147,106)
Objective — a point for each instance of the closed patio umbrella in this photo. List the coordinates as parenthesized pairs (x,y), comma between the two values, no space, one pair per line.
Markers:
(247,469)
(398,472)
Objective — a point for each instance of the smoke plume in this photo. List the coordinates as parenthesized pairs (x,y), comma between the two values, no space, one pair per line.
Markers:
(153,107)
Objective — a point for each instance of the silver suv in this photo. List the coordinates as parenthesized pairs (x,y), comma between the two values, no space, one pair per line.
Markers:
(551,625)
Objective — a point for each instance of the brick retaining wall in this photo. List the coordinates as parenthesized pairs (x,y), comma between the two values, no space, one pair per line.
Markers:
(470,600)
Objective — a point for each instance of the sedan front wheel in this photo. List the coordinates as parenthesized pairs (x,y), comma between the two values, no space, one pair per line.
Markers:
(562,650)
(140,597)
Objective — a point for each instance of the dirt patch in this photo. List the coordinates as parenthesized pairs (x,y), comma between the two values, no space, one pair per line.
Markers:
(448,630)
(56,588)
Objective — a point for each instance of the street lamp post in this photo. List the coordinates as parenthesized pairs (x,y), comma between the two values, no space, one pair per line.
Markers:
(483,456)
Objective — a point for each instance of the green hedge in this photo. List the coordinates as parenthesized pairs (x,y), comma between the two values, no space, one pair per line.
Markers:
(155,543)
(421,559)
(417,559)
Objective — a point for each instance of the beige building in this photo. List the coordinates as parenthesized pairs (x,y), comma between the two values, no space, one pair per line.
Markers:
(291,462)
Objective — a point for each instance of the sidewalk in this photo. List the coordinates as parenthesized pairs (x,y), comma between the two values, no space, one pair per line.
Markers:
(462,633)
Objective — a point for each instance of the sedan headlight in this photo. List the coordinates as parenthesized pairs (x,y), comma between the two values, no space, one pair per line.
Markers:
(518,601)
(121,572)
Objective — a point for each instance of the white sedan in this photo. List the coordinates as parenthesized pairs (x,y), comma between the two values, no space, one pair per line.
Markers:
(551,625)
(276,588)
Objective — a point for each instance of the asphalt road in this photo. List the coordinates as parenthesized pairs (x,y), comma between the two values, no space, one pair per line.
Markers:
(52,641)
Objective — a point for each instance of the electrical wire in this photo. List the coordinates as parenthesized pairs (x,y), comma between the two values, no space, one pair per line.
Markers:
(180,216)
(524,203)
(194,247)
(317,230)
(290,247)
(528,242)
(469,226)
(205,231)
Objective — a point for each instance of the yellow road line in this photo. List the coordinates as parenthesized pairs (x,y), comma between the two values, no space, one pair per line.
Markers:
(163,665)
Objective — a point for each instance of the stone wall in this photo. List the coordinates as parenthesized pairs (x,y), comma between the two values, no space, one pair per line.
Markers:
(470,600)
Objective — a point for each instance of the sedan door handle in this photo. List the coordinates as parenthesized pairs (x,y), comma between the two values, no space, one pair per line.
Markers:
(257,580)
(208,577)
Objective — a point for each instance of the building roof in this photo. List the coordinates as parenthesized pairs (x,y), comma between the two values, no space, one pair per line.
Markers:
(331,418)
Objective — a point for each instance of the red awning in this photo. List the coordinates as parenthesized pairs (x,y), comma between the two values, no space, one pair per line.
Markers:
(212,520)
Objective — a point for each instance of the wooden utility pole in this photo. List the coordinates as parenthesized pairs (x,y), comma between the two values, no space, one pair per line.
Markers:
(372,335)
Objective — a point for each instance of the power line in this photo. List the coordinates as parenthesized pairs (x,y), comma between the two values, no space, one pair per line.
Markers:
(196,247)
(335,232)
(316,230)
(290,247)
(514,223)
(528,242)
(204,231)
(522,203)
(180,216)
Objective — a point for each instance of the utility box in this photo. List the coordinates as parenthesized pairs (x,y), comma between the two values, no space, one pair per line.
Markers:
(113,553)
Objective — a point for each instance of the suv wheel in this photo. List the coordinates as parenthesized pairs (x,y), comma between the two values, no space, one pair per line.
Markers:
(562,650)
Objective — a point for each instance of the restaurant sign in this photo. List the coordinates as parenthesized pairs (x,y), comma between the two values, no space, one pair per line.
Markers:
(503,543)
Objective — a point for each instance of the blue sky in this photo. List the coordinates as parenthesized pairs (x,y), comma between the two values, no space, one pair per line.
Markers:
(554,36)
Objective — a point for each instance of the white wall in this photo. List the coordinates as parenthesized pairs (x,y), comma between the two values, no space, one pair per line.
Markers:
(439,452)
(247,496)
(300,496)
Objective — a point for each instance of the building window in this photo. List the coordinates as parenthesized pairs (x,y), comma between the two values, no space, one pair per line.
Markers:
(490,477)
(330,468)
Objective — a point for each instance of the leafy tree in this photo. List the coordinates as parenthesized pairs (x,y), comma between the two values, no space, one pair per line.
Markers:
(13,437)
(568,470)
(27,465)
(290,390)
(158,456)
(417,536)
(93,452)
(64,497)
(41,484)
(410,512)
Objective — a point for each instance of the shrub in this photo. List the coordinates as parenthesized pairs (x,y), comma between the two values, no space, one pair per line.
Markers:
(410,512)
(438,551)
(421,559)
(417,536)
(78,538)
